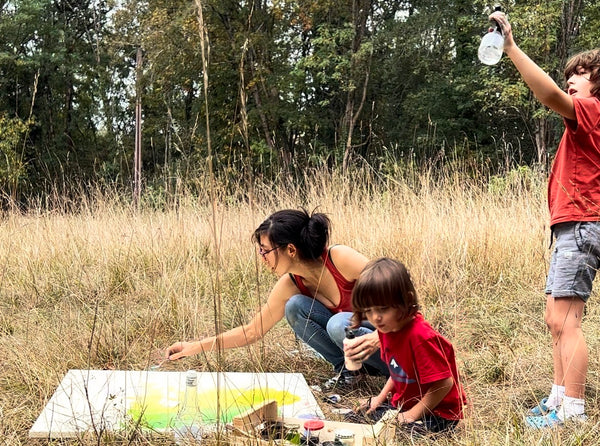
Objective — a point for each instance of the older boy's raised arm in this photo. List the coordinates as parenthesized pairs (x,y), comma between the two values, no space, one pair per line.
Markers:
(542,85)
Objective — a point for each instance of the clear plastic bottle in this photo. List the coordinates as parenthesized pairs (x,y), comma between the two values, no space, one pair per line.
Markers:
(349,363)
(492,44)
(187,425)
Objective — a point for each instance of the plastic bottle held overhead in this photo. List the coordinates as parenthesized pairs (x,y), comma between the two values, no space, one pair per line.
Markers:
(492,44)
(349,363)
(187,425)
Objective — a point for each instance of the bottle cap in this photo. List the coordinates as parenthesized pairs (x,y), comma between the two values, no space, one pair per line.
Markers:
(334,399)
(349,333)
(191,378)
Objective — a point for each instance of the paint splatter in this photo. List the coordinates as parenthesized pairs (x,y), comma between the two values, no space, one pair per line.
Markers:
(156,409)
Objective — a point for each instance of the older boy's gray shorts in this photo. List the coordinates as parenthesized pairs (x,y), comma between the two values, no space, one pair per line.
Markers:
(575,259)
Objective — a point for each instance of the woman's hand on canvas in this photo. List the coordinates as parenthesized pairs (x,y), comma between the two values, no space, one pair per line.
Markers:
(182,349)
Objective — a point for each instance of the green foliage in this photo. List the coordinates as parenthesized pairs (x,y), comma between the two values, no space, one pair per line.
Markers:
(55,70)
(12,142)
(291,84)
(520,179)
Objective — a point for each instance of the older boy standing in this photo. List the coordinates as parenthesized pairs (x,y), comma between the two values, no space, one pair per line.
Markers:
(574,203)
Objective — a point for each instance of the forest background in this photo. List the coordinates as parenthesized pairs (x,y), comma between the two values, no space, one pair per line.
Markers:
(375,112)
(290,86)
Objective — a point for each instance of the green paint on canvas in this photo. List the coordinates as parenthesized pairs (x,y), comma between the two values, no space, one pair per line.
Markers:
(156,409)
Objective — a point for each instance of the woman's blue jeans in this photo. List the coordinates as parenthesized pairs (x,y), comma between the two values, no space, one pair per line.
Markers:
(325,331)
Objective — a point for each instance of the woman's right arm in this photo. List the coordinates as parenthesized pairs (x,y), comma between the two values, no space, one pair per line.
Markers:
(269,314)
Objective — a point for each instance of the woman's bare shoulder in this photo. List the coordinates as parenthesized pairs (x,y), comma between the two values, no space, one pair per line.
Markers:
(283,289)
(348,261)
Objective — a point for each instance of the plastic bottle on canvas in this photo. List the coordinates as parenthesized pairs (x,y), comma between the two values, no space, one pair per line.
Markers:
(188,423)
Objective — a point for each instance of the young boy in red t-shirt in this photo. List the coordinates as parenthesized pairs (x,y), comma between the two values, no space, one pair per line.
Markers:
(424,381)
(574,203)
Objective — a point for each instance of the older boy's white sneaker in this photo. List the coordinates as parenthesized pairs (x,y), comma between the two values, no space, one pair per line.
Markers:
(553,419)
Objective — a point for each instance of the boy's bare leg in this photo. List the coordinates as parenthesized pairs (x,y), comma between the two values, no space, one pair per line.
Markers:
(569,348)
(556,356)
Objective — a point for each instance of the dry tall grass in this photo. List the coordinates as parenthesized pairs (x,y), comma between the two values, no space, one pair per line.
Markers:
(108,288)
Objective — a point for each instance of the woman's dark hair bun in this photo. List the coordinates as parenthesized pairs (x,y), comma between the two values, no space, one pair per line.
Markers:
(309,233)
(316,234)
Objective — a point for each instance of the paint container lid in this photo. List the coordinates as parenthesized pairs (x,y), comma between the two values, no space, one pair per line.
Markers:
(344,437)
(314,425)
(343,433)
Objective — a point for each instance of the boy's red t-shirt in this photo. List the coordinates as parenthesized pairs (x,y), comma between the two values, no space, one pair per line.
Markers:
(574,182)
(418,356)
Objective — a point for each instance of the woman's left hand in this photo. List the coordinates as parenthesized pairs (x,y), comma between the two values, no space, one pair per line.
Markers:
(361,347)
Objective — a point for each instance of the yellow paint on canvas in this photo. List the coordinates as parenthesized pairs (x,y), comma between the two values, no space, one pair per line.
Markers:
(156,407)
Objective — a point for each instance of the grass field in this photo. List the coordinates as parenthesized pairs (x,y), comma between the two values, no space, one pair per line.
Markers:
(107,288)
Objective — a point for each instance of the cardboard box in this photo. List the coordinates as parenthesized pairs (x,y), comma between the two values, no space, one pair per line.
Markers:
(246,428)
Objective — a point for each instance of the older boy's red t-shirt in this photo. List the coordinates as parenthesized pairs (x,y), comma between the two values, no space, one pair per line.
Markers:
(574,182)
(418,356)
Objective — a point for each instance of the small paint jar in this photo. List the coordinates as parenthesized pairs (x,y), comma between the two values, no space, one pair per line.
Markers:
(344,437)
(312,429)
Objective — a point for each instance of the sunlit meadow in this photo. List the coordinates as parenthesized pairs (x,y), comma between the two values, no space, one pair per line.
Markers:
(109,287)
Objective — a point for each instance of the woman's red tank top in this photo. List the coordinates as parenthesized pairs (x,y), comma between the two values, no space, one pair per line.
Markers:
(344,286)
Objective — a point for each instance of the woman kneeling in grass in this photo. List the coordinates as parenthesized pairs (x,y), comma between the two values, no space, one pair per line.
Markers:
(313,293)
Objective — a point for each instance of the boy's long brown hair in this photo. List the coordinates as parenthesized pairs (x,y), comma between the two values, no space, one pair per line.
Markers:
(383,283)
(588,60)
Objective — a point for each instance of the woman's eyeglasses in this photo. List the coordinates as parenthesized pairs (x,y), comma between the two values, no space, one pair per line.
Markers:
(264,252)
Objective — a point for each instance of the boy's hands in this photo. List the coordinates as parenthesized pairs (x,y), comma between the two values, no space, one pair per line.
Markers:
(540,83)
(500,18)
(373,403)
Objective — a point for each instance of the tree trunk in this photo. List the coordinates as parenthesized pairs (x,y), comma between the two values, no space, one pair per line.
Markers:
(569,28)
(541,140)
(361,12)
(352,118)
(570,20)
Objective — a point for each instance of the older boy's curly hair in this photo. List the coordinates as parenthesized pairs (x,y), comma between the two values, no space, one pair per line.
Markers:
(588,60)
(383,283)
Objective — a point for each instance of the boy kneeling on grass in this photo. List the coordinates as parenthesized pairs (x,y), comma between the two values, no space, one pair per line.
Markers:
(424,381)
